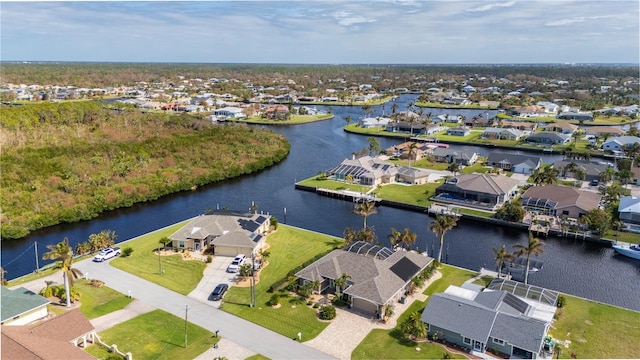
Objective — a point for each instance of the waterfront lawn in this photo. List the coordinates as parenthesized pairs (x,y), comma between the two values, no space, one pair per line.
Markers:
(597,330)
(392,344)
(333,185)
(294,119)
(474,212)
(424,163)
(98,301)
(477,168)
(179,275)
(622,236)
(289,247)
(409,194)
(159,335)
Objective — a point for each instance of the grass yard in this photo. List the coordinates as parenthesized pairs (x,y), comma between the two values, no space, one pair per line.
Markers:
(391,344)
(101,352)
(257,357)
(413,194)
(289,247)
(98,301)
(159,335)
(293,120)
(622,236)
(334,185)
(597,330)
(484,281)
(179,275)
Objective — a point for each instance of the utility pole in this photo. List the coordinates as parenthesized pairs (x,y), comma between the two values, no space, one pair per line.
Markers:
(253,280)
(159,262)
(37,266)
(186,312)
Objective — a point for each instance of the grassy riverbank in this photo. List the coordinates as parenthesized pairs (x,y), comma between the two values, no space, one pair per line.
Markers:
(293,120)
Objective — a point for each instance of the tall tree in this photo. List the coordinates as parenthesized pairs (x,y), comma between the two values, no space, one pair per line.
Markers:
(414,326)
(413,150)
(341,283)
(502,256)
(349,236)
(365,209)
(408,239)
(545,175)
(394,238)
(347,119)
(440,226)
(533,247)
(374,145)
(63,253)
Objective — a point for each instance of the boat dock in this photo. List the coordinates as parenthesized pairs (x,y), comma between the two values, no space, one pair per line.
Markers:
(439,209)
(347,195)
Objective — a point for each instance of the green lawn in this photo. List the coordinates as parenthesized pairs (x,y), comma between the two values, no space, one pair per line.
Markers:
(622,236)
(101,352)
(295,119)
(484,281)
(334,185)
(179,275)
(98,301)
(159,335)
(414,194)
(289,247)
(391,344)
(257,357)
(597,330)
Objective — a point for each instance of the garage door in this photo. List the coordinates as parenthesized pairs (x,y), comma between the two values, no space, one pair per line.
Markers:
(230,251)
(364,306)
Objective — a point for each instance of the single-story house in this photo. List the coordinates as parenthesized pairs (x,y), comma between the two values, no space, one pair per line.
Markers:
(446,118)
(480,121)
(402,150)
(562,127)
(550,138)
(575,116)
(459,131)
(620,143)
(376,122)
(592,170)
(21,306)
(406,127)
(371,171)
(629,210)
(58,338)
(450,156)
(229,233)
(559,200)
(492,319)
(229,112)
(502,133)
(378,275)
(415,176)
(604,130)
(276,112)
(478,190)
(522,164)
(520,125)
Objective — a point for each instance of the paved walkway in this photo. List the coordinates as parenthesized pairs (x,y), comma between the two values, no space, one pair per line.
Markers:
(348,329)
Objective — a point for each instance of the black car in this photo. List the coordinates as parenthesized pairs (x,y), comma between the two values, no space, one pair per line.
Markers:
(219,291)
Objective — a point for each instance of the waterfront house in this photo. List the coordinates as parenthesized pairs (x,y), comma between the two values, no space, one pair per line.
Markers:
(405,127)
(459,131)
(478,190)
(549,138)
(376,122)
(378,275)
(447,155)
(559,200)
(620,143)
(629,211)
(21,306)
(229,112)
(592,170)
(604,131)
(404,151)
(575,116)
(562,127)
(228,233)
(499,318)
(501,133)
(61,337)
(520,125)
(479,121)
(522,164)
(372,171)
(446,118)
(279,112)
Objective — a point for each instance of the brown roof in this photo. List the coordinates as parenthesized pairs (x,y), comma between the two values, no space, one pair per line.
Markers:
(592,130)
(47,340)
(565,196)
(490,184)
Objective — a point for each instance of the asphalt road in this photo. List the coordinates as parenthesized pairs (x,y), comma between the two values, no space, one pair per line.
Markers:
(240,331)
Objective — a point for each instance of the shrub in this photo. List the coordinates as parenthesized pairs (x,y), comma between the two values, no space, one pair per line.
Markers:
(209,259)
(274,223)
(309,302)
(126,252)
(46,292)
(328,312)
(274,300)
(316,305)
(96,283)
(561,301)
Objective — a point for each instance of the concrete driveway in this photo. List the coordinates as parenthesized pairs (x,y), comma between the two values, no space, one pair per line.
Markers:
(216,273)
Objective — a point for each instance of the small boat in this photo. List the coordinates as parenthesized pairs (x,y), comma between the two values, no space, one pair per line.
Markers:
(632,251)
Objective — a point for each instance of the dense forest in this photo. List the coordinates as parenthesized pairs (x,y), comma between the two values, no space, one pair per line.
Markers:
(70,161)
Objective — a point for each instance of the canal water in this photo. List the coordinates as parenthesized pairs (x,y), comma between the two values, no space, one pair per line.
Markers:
(570,265)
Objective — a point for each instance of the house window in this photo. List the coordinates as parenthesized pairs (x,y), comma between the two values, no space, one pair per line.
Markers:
(181,244)
(498,341)
(466,340)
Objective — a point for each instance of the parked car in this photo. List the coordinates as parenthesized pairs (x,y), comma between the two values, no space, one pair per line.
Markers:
(107,254)
(236,263)
(594,182)
(219,291)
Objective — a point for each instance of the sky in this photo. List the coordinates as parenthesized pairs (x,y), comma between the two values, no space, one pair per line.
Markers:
(323,32)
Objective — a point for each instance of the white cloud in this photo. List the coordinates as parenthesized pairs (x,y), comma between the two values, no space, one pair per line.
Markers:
(346,18)
(488,7)
(563,22)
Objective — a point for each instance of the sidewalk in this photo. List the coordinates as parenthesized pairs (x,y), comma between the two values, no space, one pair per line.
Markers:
(135,308)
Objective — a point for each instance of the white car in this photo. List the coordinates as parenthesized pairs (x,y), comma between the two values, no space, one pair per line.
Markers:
(107,254)
(236,263)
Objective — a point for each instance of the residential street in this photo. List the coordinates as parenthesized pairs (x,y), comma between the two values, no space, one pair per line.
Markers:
(240,331)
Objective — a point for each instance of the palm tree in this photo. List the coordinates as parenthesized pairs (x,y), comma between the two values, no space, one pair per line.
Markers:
(349,236)
(367,235)
(394,238)
(394,108)
(502,256)
(315,285)
(454,167)
(347,119)
(365,209)
(341,283)
(533,247)
(408,238)
(440,226)
(413,149)
(414,326)
(546,175)
(63,253)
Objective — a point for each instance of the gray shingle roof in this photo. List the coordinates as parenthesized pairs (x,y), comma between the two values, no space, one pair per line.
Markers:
(512,159)
(483,183)
(523,332)
(459,315)
(372,278)
(564,196)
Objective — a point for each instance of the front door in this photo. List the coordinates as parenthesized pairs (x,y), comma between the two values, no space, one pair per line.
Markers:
(477,345)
